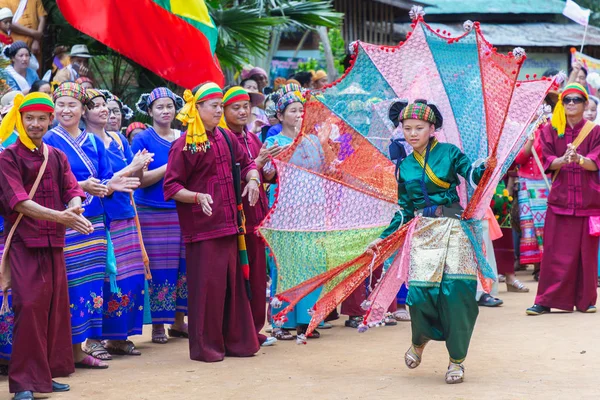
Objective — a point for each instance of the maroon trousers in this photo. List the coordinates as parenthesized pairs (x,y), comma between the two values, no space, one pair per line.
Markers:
(569,269)
(352,305)
(219,315)
(258,282)
(42,328)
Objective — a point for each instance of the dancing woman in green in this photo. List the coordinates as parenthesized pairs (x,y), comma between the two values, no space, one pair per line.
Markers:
(443,268)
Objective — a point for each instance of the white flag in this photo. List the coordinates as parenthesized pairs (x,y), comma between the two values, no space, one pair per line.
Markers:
(576,13)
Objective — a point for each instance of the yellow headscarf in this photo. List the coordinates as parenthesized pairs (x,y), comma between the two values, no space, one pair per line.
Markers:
(196,138)
(559,118)
(32,102)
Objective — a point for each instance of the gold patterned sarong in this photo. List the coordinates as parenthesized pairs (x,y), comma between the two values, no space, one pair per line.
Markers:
(440,248)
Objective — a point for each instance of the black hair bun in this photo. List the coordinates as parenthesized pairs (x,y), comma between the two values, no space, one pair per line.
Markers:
(396,110)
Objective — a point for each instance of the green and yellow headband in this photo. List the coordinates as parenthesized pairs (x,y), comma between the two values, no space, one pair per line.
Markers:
(196,138)
(559,118)
(32,102)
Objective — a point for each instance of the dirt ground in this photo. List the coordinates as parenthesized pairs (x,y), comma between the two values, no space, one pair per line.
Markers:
(512,356)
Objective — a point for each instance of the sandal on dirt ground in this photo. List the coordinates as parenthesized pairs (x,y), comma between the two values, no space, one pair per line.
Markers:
(124,348)
(489,301)
(98,351)
(402,315)
(282,334)
(389,320)
(455,374)
(158,336)
(176,333)
(353,322)
(516,286)
(411,358)
(301,330)
(90,362)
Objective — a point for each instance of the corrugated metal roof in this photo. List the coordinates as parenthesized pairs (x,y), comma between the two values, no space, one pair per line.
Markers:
(495,7)
(524,35)
(405,4)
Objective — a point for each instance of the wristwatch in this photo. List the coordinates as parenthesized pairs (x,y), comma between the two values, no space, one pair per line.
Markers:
(581,160)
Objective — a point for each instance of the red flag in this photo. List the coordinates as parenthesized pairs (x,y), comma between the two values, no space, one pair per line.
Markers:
(151,35)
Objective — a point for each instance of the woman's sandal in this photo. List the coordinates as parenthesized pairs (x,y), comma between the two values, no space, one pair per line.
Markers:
(90,362)
(159,336)
(516,286)
(301,330)
(125,348)
(455,374)
(98,351)
(176,333)
(282,334)
(314,335)
(411,358)
(402,315)
(353,321)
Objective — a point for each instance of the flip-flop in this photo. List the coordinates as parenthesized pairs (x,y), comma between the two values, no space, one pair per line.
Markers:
(90,362)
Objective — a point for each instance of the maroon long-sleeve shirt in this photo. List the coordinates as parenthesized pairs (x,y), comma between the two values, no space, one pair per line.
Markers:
(209,173)
(19,168)
(575,191)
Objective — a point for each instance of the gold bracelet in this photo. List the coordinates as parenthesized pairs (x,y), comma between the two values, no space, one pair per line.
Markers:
(581,160)
(255,179)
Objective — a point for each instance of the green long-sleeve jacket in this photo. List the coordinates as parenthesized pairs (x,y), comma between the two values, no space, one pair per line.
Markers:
(446,162)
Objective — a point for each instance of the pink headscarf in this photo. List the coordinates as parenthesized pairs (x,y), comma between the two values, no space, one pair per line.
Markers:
(247,73)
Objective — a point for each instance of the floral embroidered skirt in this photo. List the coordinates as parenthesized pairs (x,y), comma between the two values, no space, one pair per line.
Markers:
(166,250)
(124,310)
(85,258)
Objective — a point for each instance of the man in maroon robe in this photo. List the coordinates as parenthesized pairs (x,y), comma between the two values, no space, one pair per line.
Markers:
(199,178)
(237,110)
(42,347)
(569,268)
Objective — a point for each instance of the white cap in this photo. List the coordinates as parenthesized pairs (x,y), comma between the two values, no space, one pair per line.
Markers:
(5,13)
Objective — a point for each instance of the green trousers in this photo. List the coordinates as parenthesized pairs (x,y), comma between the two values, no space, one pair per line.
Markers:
(445,313)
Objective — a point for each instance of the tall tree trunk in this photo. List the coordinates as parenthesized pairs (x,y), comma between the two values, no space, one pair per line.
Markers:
(331,71)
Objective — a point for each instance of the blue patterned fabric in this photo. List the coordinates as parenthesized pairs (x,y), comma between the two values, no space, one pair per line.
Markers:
(353,98)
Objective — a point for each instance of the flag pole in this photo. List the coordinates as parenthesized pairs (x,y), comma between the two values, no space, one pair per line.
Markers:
(584,35)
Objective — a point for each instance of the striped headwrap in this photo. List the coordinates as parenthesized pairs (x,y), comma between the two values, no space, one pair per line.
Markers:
(559,118)
(235,94)
(70,89)
(287,99)
(83,79)
(146,99)
(133,126)
(196,138)
(418,111)
(36,101)
(93,93)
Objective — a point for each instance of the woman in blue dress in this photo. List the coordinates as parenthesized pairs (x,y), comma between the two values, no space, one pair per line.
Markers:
(123,295)
(86,255)
(159,220)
